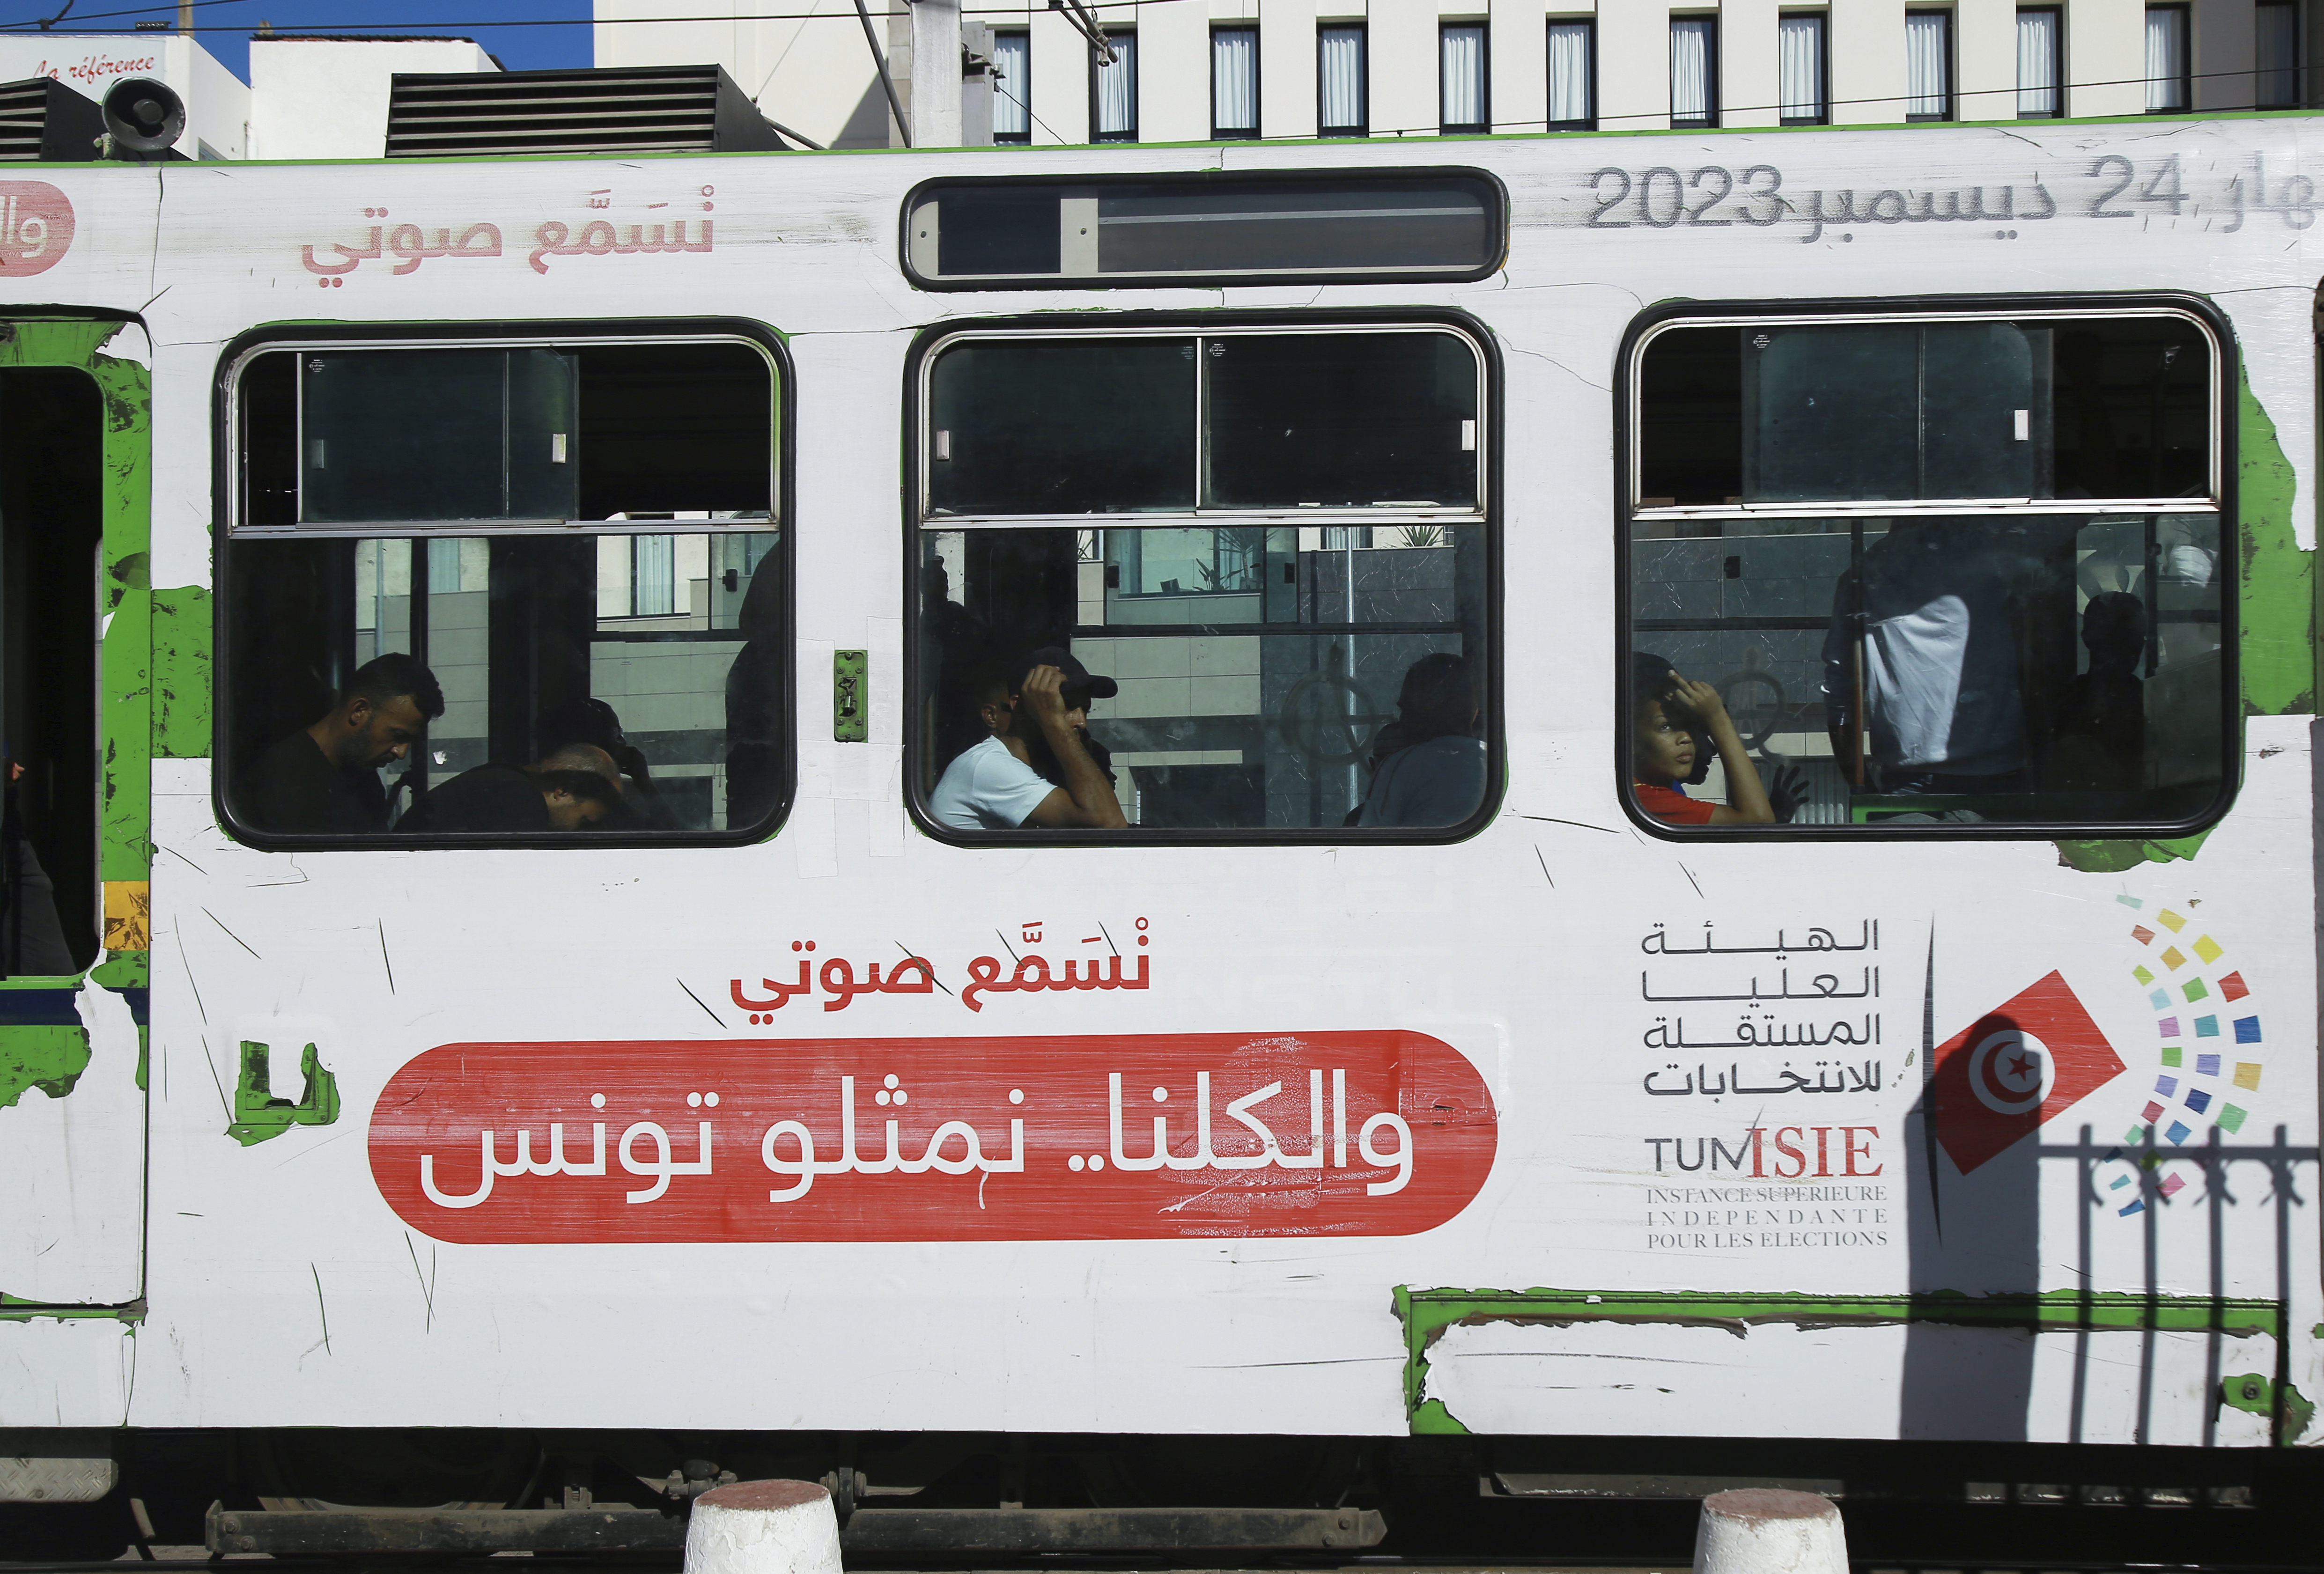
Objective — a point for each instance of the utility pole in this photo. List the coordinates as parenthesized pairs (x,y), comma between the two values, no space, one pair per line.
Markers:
(936,74)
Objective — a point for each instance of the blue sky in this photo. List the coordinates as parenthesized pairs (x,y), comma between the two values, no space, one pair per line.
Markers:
(225,26)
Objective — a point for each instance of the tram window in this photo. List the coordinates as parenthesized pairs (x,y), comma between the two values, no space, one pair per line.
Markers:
(1306,650)
(496,593)
(2039,661)
(1062,427)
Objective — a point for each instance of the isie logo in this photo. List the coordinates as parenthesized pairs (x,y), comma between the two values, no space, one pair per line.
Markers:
(36,227)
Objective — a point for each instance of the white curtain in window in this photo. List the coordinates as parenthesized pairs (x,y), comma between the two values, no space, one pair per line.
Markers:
(1234,79)
(1569,72)
(653,576)
(1689,69)
(1012,80)
(2166,58)
(1116,89)
(1340,77)
(2277,55)
(1928,63)
(1799,64)
(1462,74)
(2037,62)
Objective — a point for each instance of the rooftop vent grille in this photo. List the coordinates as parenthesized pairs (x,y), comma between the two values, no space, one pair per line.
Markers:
(41,119)
(661,109)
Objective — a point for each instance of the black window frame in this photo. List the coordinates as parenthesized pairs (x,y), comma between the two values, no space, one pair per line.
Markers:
(931,341)
(1589,25)
(2185,11)
(1257,86)
(1485,79)
(1363,32)
(226,495)
(2296,70)
(1709,119)
(2226,382)
(1497,253)
(1018,139)
(2057,15)
(1952,65)
(1822,20)
(1097,69)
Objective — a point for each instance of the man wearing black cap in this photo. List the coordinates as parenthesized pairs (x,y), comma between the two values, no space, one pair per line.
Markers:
(1032,718)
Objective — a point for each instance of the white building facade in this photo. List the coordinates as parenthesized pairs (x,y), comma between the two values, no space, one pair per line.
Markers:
(1192,70)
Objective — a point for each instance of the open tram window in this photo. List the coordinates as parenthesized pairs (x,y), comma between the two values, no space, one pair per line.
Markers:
(1256,559)
(495,591)
(1950,571)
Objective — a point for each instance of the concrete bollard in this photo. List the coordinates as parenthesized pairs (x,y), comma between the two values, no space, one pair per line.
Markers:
(763,1527)
(1761,1531)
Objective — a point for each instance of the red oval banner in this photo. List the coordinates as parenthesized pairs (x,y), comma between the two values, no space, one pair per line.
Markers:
(1092,1138)
(36,227)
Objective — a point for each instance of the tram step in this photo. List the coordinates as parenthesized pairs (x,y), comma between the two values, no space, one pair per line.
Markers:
(877,1529)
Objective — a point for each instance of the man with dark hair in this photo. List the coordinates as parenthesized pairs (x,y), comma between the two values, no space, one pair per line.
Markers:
(324,778)
(575,787)
(1033,719)
(1438,777)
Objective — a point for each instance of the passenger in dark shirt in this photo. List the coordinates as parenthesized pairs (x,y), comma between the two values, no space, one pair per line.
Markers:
(324,778)
(574,788)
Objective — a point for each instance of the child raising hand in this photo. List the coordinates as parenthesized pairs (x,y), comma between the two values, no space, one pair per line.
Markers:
(1671,710)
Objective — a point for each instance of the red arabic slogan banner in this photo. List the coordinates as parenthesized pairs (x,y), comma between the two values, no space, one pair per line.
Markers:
(1115,1137)
(2027,1061)
(36,227)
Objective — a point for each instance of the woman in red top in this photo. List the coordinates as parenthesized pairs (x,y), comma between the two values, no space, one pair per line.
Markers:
(1663,756)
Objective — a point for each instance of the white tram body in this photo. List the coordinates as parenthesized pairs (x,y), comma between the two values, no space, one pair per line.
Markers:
(1534,1161)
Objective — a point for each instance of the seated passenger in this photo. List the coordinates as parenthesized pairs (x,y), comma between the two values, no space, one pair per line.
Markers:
(2101,728)
(324,777)
(1033,720)
(1670,712)
(1436,776)
(575,787)
(593,724)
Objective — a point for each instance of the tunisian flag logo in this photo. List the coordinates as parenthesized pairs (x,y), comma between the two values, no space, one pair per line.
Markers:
(2027,1060)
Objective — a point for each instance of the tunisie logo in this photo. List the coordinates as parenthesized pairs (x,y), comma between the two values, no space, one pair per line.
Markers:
(2026,1061)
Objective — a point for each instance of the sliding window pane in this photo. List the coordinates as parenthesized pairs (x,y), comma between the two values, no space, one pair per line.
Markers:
(1341,420)
(1062,427)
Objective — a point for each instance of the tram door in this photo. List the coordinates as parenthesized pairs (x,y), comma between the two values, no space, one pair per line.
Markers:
(72,555)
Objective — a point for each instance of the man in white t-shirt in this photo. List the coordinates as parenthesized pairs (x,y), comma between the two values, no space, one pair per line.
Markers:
(1035,717)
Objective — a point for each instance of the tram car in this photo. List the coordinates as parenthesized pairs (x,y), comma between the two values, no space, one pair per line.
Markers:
(1395,707)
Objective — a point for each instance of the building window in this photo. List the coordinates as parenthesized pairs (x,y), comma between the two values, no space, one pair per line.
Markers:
(2041,63)
(1234,82)
(1928,65)
(2277,55)
(1964,568)
(1695,71)
(1342,81)
(529,589)
(1462,104)
(1800,81)
(1573,76)
(1012,88)
(2166,61)
(1113,92)
(1265,550)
